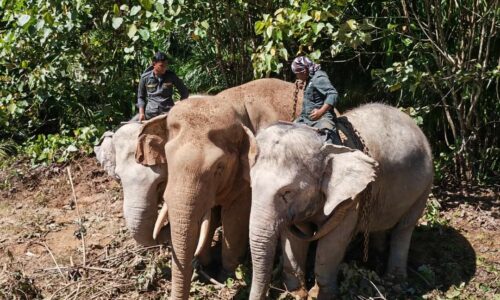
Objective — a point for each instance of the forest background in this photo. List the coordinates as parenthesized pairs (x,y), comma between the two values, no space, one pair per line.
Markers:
(69,70)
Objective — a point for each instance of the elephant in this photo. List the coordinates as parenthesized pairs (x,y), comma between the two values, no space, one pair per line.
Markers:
(205,148)
(304,189)
(143,186)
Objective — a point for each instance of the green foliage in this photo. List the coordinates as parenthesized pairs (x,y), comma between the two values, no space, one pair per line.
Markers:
(74,64)
(432,216)
(438,57)
(59,147)
(303,28)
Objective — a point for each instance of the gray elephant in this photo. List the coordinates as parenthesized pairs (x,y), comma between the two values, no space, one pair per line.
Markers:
(143,186)
(304,190)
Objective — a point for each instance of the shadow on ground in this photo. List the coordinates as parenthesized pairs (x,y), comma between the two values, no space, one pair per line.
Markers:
(439,258)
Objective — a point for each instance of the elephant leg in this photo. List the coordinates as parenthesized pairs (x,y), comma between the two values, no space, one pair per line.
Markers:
(329,254)
(235,222)
(401,237)
(294,263)
(378,241)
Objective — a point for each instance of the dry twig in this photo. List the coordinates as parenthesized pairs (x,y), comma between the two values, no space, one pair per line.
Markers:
(78,213)
(55,262)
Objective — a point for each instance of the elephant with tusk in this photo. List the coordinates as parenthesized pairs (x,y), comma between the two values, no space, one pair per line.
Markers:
(304,190)
(205,148)
(143,186)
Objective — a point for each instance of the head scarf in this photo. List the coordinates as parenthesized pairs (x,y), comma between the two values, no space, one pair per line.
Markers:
(302,63)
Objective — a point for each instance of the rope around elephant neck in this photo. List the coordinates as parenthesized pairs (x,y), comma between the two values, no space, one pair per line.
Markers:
(367,198)
(295,99)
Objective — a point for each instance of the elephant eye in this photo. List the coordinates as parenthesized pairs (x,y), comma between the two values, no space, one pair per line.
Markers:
(285,196)
(220,169)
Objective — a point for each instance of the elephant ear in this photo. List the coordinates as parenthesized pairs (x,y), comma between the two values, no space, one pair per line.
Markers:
(153,135)
(105,153)
(348,172)
(249,152)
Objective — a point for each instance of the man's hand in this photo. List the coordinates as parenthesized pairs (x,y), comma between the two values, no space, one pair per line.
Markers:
(316,114)
(142,115)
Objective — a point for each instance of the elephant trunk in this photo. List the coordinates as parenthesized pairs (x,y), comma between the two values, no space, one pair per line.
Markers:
(140,210)
(185,219)
(263,240)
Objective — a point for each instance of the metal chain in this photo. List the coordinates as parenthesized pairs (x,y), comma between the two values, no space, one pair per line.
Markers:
(365,220)
(295,99)
(366,199)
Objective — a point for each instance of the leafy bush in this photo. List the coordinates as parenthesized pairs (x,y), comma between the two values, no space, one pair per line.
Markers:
(60,147)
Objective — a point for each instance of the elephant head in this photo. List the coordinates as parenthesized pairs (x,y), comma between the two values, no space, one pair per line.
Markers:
(297,179)
(143,186)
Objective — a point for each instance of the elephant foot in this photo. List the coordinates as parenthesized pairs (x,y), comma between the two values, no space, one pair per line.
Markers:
(299,294)
(324,293)
(396,273)
(313,292)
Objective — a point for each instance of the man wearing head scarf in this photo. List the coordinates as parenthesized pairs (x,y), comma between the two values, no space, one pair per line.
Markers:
(320,98)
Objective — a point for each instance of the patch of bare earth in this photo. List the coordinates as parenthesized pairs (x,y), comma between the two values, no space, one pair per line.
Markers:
(53,247)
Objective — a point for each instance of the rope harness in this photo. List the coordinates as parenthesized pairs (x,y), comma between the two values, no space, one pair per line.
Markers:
(295,99)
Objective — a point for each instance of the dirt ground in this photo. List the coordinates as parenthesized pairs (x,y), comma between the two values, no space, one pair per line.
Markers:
(54,247)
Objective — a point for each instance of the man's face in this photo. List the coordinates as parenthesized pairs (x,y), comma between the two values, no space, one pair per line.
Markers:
(302,75)
(160,67)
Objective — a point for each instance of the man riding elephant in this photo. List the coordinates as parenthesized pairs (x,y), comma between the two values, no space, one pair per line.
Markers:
(320,98)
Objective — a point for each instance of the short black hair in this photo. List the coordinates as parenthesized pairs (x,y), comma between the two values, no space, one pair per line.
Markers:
(159,56)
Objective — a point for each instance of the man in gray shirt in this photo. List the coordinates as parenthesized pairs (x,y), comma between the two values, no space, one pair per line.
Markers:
(320,98)
(154,95)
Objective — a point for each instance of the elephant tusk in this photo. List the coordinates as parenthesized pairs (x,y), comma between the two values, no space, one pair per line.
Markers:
(333,221)
(205,227)
(161,221)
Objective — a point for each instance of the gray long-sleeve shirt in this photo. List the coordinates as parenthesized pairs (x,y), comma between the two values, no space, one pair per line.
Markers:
(155,92)
(319,90)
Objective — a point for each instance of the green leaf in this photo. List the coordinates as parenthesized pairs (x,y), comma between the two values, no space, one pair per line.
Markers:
(12,108)
(116,10)
(259,27)
(317,27)
(269,31)
(283,53)
(147,4)
(144,33)
(71,148)
(23,19)
(353,25)
(129,49)
(135,9)
(154,26)
(315,55)
(159,8)
(105,17)
(117,22)
(395,87)
(132,30)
